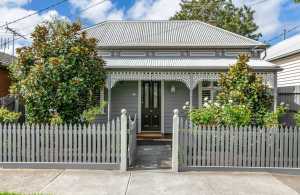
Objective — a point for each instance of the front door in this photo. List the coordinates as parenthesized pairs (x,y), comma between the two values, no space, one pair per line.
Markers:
(151,106)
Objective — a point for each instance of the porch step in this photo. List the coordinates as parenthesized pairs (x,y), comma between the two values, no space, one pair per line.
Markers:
(153,139)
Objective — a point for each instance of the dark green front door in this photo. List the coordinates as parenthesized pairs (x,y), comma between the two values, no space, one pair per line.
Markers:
(151,112)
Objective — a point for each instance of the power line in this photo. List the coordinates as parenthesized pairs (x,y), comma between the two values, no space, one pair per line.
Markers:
(81,11)
(34,13)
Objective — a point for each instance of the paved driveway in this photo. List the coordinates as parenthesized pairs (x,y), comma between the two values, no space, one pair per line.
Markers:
(89,182)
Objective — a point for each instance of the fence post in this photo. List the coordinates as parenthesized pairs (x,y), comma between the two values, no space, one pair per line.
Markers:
(123,165)
(175,159)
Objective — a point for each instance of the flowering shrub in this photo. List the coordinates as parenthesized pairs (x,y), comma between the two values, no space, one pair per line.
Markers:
(7,116)
(272,119)
(90,115)
(297,118)
(58,71)
(235,115)
(207,115)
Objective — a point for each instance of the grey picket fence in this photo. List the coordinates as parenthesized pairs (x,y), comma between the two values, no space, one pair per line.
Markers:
(132,142)
(64,146)
(234,147)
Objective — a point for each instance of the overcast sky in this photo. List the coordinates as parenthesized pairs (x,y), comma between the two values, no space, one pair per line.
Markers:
(272,16)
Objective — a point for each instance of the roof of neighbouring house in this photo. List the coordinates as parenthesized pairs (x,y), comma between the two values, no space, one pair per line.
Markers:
(183,63)
(166,34)
(284,48)
(5,59)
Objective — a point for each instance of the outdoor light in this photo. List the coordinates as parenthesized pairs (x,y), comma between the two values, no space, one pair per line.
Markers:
(173,90)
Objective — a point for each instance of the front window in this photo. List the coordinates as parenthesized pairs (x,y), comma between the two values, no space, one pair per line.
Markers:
(208,90)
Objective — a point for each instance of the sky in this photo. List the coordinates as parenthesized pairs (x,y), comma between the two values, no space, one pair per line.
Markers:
(272,16)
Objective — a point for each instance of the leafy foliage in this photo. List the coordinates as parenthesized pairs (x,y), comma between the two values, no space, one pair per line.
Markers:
(207,115)
(91,114)
(223,13)
(243,87)
(7,116)
(297,118)
(272,119)
(235,115)
(58,73)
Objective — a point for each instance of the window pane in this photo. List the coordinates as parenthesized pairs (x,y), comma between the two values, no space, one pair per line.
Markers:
(205,83)
(155,95)
(206,96)
(146,95)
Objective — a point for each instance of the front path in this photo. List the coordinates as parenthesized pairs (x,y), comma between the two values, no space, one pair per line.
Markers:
(84,182)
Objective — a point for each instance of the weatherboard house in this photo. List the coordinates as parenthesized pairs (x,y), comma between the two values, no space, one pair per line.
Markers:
(154,67)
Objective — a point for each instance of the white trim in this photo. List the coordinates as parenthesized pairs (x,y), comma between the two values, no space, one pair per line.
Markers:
(202,53)
(199,94)
(162,107)
(132,54)
(139,106)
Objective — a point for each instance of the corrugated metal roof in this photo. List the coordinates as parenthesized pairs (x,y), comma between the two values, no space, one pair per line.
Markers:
(183,63)
(5,59)
(194,34)
(284,48)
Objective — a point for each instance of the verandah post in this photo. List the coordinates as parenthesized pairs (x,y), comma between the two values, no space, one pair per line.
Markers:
(123,164)
(175,159)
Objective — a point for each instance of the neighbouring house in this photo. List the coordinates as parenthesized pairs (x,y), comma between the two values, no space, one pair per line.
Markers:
(286,54)
(5,60)
(154,67)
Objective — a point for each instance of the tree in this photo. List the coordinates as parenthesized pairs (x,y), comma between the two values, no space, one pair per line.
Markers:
(221,13)
(57,74)
(241,86)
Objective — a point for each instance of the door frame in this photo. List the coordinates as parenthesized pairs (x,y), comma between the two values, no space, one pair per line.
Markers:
(162,106)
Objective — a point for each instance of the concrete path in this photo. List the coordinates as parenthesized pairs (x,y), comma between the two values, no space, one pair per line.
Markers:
(162,182)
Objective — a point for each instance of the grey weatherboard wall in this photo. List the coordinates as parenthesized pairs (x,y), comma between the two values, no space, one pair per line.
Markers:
(176,101)
(124,95)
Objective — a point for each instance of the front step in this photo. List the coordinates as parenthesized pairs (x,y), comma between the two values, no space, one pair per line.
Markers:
(148,138)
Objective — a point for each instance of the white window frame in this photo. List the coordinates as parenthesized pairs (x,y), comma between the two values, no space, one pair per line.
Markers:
(210,88)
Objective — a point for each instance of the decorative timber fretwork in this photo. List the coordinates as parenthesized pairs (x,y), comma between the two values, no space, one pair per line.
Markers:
(190,79)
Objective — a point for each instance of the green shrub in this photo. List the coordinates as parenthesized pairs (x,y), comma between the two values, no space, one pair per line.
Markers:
(297,118)
(235,115)
(91,114)
(7,116)
(207,115)
(272,119)
(56,119)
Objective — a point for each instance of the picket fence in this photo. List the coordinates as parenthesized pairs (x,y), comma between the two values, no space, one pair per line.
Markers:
(234,147)
(65,146)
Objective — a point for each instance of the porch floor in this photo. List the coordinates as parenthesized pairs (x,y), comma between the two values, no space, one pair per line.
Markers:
(153,156)
(154,136)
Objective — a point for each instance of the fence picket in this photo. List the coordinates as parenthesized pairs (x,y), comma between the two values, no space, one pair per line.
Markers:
(84,146)
(286,147)
(71,138)
(14,143)
(298,131)
(75,144)
(222,152)
(218,141)
(89,144)
(190,146)
(204,145)
(227,146)
(19,141)
(291,141)
(245,149)
(37,143)
(46,143)
(28,143)
(268,143)
(56,144)
(79,149)
(61,143)
(198,143)
(258,147)
(208,145)
(281,147)
(272,150)
(42,143)
(113,141)
(51,131)
(235,146)
(118,144)
(295,136)
(5,143)
(185,144)
(231,142)
(94,136)
(254,147)
(213,147)
(103,143)
(9,143)
(108,142)
(65,143)
(1,143)
(98,143)
(249,160)
(276,155)
(263,147)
